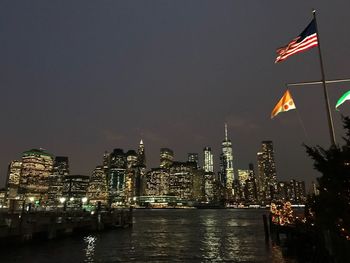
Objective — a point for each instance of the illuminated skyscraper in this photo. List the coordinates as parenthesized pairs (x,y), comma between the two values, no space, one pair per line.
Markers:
(75,189)
(132,175)
(298,191)
(117,176)
(141,155)
(208,160)
(193,158)
(251,186)
(140,171)
(36,167)
(97,190)
(209,177)
(293,191)
(226,165)
(13,177)
(157,182)
(166,157)
(60,170)
(106,161)
(267,180)
(243,177)
(181,180)
(131,159)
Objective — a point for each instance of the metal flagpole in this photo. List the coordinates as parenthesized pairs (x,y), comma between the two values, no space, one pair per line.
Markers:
(317,82)
(330,120)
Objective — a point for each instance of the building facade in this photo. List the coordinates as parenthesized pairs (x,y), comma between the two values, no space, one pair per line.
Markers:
(97,191)
(193,158)
(208,166)
(157,182)
(267,180)
(13,178)
(75,189)
(37,165)
(56,179)
(166,157)
(117,176)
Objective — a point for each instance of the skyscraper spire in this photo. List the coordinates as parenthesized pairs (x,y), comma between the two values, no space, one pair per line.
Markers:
(141,156)
(226,173)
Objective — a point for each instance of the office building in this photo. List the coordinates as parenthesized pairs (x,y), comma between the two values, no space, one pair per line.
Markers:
(13,177)
(116,177)
(37,165)
(97,191)
(267,180)
(141,155)
(60,170)
(208,160)
(157,182)
(75,189)
(166,157)
(193,157)
(181,180)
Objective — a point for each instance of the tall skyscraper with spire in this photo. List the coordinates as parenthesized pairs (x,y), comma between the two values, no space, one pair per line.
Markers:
(140,171)
(141,156)
(226,165)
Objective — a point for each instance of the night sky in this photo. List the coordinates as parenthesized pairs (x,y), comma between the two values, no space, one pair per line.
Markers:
(81,77)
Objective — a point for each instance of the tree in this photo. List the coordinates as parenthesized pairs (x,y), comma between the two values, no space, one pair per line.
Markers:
(331,207)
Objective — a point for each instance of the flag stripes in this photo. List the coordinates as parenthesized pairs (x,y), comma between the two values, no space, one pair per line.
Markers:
(294,47)
(307,39)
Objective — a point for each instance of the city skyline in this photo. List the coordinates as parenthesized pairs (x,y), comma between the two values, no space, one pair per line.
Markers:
(158,163)
(123,180)
(203,161)
(78,79)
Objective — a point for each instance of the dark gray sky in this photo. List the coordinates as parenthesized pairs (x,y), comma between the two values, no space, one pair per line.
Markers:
(81,77)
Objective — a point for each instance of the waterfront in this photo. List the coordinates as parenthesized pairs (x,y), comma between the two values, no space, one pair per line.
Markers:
(171,235)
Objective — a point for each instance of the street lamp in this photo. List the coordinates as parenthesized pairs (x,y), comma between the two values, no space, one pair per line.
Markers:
(63,202)
(83,202)
(31,200)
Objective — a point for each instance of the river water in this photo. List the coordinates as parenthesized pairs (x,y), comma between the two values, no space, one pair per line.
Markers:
(169,235)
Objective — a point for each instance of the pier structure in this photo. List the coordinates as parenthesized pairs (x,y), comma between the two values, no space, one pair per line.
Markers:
(21,227)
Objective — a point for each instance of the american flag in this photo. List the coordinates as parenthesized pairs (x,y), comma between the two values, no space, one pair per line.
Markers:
(307,39)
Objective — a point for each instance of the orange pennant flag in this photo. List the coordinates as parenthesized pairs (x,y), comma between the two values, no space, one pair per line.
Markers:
(286,103)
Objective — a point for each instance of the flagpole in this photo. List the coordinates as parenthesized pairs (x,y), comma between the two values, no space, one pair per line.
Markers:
(329,115)
(317,82)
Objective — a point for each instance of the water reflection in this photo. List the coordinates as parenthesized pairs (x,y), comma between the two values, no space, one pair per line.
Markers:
(211,242)
(90,242)
(187,235)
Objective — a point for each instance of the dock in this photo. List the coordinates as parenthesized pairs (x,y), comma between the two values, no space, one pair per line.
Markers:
(23,227)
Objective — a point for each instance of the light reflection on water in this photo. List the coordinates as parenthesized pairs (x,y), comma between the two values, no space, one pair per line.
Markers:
(210,242)
(184,235)
(90,242)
